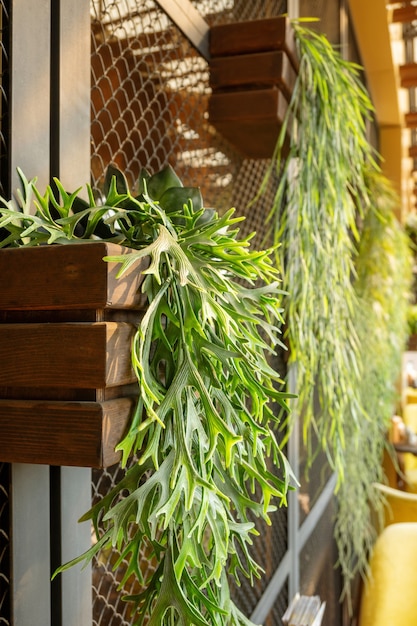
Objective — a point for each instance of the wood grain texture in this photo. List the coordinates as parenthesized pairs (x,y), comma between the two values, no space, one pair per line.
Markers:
(250,120)
(262,69)
(67,355)
(66,330)
(274,33)
(80,434)
(72,276)
(259,104)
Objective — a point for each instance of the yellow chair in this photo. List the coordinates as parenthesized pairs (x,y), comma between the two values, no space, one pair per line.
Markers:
(410,395)
(410,460)
(401,506)
(389,595)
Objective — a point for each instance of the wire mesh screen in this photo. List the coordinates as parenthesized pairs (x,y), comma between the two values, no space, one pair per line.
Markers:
(224,11)
(317,568)
(108,607)
(4,97)
(149,99)
(328,16)
(149,94)
(5,575)
(4,545)
(279,608)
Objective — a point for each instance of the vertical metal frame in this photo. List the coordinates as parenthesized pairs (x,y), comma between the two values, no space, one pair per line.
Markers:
(29,149)
(30,545)
(30,102)
(70,86)
(50,134)
(293,504)
(74,92)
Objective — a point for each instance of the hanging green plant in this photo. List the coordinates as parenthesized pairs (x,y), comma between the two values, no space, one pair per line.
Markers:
(320,187)
(204,428)
(343,334)
(383,280)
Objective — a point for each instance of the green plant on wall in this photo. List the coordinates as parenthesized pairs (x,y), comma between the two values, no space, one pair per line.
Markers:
(333,215)
(383,279)
(205,422)
(321,185)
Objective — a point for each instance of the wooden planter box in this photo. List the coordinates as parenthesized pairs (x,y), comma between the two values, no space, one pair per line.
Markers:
(67,387)
(253,69)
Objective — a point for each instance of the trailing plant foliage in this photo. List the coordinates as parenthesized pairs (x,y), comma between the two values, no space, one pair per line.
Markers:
(412,320)
(384,275)
(205,422)
(344,312)
(321,185)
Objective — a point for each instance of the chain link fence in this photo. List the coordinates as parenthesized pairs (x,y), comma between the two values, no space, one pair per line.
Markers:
(4,545)
(4,97)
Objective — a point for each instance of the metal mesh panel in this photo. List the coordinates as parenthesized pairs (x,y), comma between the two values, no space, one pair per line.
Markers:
(149,108)
(4,545)
(224,11)
(328,15)
(108,607)
(279,608)
(149,98)
(312,479)
(4,78)
(268,550)
(317,567)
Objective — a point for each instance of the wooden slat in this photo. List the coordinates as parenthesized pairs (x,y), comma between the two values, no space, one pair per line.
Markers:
(412,152)
(67,276)
(80,434)
(255,140)
(408,75)
(254,36)
(404,14)
(410,120)
(253,70)
(79,355)
(250,120)
(254,105)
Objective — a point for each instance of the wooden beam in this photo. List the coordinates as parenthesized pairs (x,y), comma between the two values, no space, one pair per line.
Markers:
(184,14)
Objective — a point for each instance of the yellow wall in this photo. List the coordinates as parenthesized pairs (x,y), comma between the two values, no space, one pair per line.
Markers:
(370,23)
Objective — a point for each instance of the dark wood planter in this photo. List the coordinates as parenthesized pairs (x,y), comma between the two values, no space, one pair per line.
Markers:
(412,343)
(253,69)
(67,387)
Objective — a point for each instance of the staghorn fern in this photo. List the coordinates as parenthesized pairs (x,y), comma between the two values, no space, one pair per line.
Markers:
(205,422)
